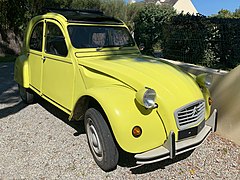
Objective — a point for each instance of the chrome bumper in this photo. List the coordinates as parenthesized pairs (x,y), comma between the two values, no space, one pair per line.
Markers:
(171,148)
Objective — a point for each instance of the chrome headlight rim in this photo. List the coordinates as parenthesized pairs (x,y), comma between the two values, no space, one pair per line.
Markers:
(149,98)
(204,80)
(208,80)
(146,97)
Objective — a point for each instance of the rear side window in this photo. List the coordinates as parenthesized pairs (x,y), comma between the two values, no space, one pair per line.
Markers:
(37,37)
(55,41)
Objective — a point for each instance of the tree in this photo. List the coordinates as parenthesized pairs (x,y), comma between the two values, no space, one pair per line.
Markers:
(149,25)
(224,13)
(115,8)
(3,19)
(86,4)
(236,14)
(133,10)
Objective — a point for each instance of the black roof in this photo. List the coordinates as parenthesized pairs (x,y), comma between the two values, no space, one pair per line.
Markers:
(84,16)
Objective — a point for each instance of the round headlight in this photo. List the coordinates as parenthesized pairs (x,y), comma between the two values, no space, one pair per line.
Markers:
(204,80)
(208,80)
(146,97)
(149,98)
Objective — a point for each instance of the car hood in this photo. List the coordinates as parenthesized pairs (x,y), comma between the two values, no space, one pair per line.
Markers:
(139,71)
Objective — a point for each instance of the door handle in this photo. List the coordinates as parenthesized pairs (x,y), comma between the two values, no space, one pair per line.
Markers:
(43,59)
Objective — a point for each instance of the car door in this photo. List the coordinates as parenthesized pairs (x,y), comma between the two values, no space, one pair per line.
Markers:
(58,69)
(35,56)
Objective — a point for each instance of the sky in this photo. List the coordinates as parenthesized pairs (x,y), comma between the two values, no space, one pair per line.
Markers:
(209,7)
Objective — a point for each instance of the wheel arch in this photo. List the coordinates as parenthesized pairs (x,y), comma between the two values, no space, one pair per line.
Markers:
(21,71)
(83,103)
(119,109)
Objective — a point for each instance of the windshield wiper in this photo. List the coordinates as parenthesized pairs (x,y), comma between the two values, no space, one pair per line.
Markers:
(126,45)
(99,48)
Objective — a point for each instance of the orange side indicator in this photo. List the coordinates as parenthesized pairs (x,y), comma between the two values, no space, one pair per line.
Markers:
(136,131)
(210,101)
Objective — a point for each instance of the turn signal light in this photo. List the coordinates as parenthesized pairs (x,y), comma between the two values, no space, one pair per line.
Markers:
(136,131)
(210,101)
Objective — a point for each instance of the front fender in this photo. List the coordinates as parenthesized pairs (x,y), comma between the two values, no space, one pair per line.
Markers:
(206,95)
(123,113)
(21,73)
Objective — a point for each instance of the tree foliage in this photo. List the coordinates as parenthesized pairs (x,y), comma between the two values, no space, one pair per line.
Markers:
(149,25)
(224,13)
(115,8)
(84,4)
(236,14)
(212,42)
(16,14)
(133,10)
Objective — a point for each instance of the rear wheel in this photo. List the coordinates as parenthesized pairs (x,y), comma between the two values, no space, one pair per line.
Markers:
(26,95)
(100,140)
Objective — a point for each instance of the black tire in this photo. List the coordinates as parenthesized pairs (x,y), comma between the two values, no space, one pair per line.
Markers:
(26,95)
(100,140)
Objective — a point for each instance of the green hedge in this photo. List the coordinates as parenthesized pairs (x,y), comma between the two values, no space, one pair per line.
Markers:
(211,42)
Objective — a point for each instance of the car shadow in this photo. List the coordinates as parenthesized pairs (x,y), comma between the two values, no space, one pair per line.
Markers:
(77,125)
(141,169)
(127,160)
(12,109)
(10,100)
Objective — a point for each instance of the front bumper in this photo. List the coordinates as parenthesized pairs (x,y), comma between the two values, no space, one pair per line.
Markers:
(171,148)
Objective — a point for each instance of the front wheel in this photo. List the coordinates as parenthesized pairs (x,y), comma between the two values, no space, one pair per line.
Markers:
(100,140)
(26,95)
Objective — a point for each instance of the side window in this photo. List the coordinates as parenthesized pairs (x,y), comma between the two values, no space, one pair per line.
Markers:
(55,41)
(37,37)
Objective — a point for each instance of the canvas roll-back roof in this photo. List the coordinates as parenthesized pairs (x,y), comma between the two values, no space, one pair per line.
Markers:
(84,16)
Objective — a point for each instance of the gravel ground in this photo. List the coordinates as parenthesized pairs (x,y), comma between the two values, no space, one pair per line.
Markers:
(37,142)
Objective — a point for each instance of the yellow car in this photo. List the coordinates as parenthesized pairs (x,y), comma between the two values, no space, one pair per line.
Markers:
(88,65)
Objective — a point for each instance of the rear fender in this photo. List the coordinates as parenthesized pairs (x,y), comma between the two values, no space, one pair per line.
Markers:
(21,72)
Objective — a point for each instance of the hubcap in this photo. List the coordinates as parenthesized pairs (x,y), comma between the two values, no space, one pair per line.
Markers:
(94,140)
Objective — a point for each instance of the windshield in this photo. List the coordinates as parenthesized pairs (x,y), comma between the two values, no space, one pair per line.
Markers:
(99,36)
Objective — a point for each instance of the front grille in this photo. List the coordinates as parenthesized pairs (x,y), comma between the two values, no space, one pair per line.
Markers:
(190,115)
